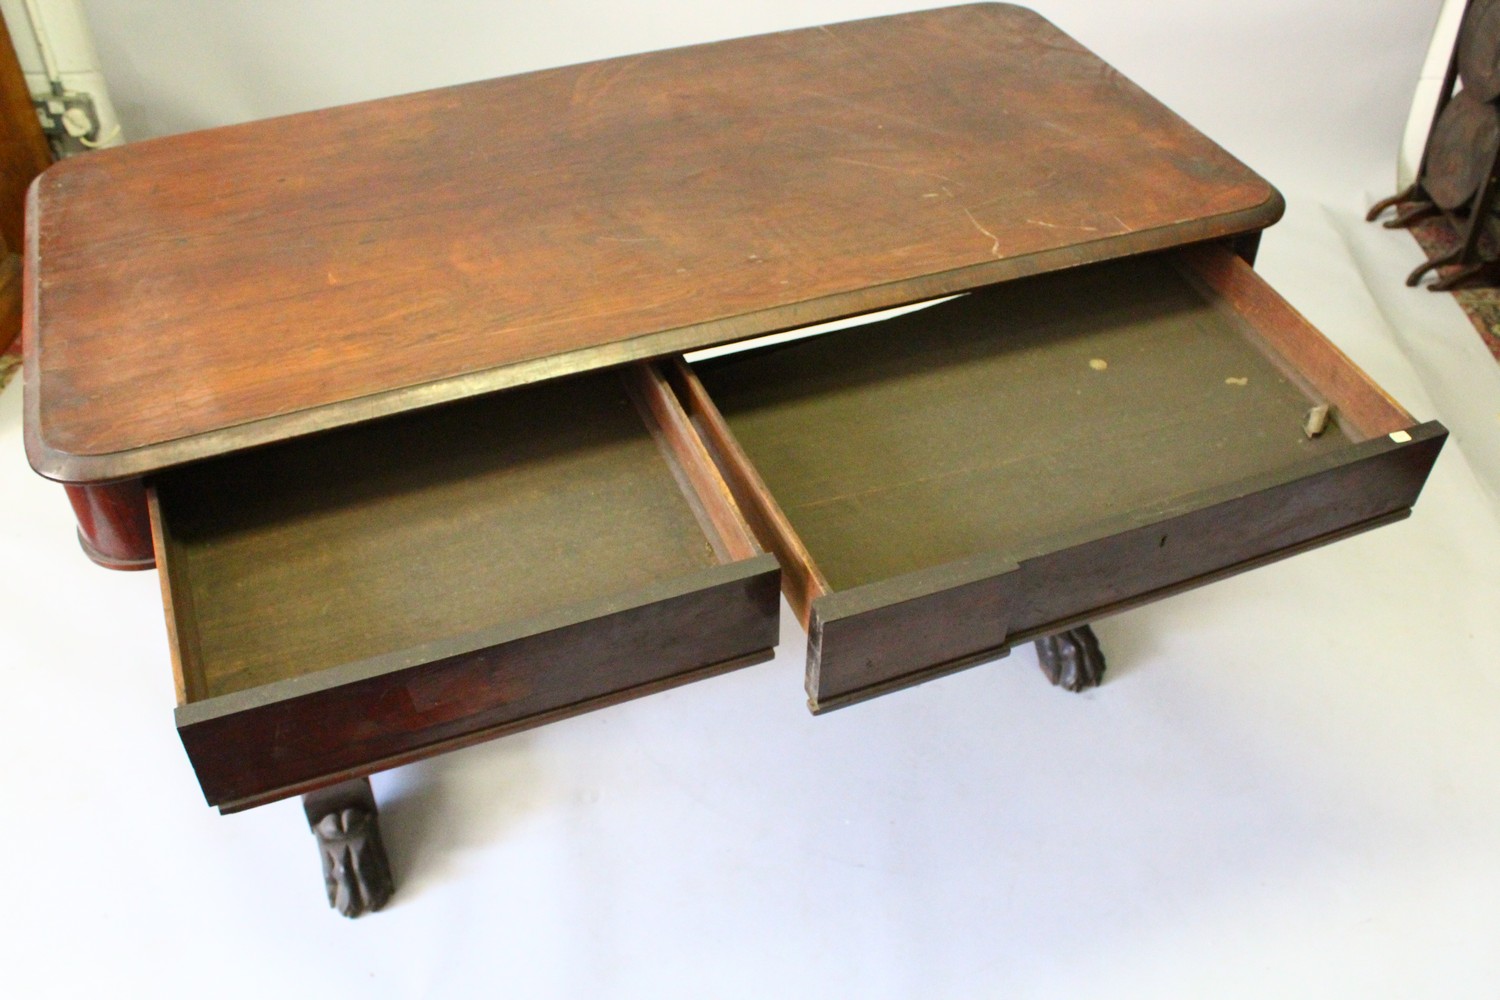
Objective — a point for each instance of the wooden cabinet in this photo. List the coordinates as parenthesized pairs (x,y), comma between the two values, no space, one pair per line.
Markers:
(394,395)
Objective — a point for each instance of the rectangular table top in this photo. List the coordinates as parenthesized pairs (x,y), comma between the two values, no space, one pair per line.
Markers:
(197,294)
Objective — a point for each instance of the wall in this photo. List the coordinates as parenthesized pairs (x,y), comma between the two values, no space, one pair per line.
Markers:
(77,61)
(1313,95)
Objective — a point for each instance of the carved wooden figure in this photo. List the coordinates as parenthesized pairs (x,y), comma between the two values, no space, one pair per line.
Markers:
(1071,659)
(347,824)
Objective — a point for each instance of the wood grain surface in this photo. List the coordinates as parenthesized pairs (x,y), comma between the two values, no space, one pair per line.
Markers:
(701,481)
(24,153)
(801,579)
(211,291)
(10,295)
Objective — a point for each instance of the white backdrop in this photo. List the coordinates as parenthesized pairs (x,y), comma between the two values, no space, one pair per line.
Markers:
(1286,787)
(1313,95)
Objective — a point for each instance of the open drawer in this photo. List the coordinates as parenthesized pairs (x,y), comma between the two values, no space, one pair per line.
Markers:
(354,600)
(1025,458)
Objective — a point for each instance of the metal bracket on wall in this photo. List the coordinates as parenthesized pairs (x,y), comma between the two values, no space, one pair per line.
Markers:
(69,120)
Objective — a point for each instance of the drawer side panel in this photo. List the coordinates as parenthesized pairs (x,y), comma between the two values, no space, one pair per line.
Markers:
(915,627)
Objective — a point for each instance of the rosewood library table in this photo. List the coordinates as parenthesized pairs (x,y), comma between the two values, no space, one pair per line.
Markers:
(394,395)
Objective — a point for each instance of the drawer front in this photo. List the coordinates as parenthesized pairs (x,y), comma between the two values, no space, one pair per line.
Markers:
(270,741)
(892,634)
(352,601)
(992,469)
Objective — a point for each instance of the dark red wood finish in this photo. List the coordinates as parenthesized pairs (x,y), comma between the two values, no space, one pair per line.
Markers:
(892,636)
(24,153)
(202,293)
(114,524)
(280,738)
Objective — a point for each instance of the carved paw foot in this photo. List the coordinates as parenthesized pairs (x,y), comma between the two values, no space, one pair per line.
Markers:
(1071,659)
(355,868)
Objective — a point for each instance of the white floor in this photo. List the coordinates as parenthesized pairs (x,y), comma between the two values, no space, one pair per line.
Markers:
(1287,787)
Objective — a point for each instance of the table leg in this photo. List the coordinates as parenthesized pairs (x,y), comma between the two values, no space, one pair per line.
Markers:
(344,819)
(1071,659)
(114,526)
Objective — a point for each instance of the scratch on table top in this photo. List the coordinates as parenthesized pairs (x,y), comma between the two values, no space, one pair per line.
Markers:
(595,81)
(1049,123)
(995,245)
(896,170)
(825,29)
(1061,225)
(886,113)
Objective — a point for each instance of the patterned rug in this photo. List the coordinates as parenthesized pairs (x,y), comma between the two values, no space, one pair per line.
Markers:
(1437,236)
